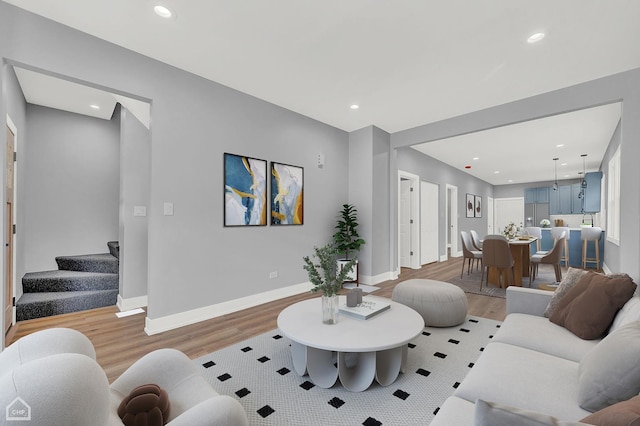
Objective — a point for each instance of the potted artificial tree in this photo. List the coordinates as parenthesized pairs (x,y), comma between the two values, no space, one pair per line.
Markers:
(346,239)
(327,279)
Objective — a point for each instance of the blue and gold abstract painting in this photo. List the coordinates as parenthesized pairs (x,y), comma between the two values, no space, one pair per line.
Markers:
(287,200)
(245,191)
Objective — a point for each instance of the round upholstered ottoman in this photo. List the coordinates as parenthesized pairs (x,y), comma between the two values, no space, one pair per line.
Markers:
(440,304)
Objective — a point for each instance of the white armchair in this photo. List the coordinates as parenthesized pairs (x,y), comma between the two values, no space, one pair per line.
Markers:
(53,377)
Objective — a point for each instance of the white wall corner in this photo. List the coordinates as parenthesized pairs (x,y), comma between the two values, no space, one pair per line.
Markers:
(170,322)
(444,258)
(131,303)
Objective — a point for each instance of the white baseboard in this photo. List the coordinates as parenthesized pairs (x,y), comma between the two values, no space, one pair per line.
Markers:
(170,322)
(376,279)
(606,269)
(444,258)
(131,303)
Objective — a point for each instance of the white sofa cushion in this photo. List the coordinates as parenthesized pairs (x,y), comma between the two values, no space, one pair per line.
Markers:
(630,312)
(610,372)
(455,411)
(540,334)
(495,414)
(524,378)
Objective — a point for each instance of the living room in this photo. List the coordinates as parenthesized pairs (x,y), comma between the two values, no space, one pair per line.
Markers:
(198,269)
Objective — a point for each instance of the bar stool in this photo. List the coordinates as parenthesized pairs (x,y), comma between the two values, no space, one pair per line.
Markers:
(535,231)
(587,234)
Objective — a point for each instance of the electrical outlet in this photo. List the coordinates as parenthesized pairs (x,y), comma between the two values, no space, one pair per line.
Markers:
(273,275)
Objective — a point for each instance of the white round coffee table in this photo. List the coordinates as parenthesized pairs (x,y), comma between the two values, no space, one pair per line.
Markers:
(370,349)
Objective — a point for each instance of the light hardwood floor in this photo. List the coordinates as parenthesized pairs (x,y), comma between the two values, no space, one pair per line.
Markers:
(121,341)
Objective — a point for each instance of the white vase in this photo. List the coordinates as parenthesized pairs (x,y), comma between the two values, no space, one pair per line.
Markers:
(330,309)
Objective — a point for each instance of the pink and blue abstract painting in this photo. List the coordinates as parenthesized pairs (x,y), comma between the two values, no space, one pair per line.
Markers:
(245,191)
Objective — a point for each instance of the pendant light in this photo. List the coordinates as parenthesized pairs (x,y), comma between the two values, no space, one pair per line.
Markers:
(555,182)
(584,172)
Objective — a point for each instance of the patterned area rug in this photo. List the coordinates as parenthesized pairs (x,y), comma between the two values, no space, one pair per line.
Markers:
(260,374)
(471,283)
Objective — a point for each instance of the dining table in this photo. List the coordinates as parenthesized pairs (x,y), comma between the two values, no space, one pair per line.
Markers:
(521,252)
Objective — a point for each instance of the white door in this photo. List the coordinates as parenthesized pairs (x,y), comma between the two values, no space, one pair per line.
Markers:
(452,221)
(428,223)
(490,215)
(508,210)
(405,223)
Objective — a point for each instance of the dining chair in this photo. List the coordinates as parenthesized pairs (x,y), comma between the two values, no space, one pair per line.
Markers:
(590,234)
(468,252)
(497,254)
(535,231)
(556,231)
(553,257)
(475,240)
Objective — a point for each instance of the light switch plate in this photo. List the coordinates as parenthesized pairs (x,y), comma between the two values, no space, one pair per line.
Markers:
(139,211)
(168,209)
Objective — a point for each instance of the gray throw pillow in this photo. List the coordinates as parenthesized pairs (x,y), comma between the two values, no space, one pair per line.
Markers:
(570,279)
(494,414)
(610,372)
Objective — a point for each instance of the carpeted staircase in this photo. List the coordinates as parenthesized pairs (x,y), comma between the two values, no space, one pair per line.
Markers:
(80,283)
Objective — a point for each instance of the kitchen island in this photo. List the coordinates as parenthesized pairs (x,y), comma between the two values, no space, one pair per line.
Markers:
(575,247)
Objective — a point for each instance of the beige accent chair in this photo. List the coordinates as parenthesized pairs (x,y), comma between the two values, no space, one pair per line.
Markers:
(556,232)
(497,254)
(469,252)
(475,240)
(551,258)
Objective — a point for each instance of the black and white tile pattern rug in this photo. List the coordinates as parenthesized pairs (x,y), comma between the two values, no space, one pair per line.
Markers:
(259,373)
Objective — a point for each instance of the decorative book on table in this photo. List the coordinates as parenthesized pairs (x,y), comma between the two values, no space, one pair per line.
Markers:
(365,310)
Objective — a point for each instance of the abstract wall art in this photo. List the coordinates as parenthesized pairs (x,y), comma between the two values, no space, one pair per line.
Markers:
(478,206)
(470,206)
(245,191)
(287,201)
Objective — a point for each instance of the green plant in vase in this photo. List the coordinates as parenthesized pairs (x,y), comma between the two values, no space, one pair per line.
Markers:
(325,277)
(346,238)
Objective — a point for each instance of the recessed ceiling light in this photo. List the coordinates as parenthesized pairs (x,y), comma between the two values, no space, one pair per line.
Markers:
(510,180)
(94,106)
(354,106)
(476,158)
(534,38)
(496,172)
(560,145)
(563,164)
(163,11)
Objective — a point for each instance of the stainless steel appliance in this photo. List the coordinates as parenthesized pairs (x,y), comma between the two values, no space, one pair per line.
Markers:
(534,213)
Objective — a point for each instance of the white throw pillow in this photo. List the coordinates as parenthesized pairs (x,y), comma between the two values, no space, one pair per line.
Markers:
(630,312)
(610,372)
(494,414)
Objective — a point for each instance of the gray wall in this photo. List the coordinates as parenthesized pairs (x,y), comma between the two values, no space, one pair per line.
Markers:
(431,170)
(135,155)
(193,260)
(70,187)
(623,87)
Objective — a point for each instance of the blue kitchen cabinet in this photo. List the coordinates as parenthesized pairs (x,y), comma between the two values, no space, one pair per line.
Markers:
(592,194)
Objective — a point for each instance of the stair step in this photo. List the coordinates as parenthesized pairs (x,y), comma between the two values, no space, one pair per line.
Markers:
(114,248)
(38,305)
(57,281)
(103,262)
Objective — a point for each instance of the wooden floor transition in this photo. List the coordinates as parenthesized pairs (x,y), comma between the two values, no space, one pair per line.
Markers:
(121,341)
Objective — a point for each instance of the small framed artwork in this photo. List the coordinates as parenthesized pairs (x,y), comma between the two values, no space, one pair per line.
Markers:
(287,194)
(245,191)
(471,202)
(478,206)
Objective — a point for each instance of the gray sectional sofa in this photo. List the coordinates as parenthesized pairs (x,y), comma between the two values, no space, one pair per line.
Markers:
(540,370)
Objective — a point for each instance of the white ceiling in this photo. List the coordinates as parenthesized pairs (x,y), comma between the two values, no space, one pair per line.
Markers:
(405,63)
(524,152)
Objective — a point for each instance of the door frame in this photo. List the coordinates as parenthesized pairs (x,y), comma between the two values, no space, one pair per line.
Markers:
(425,205)
(452,219)
(14,129)
(415,214)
